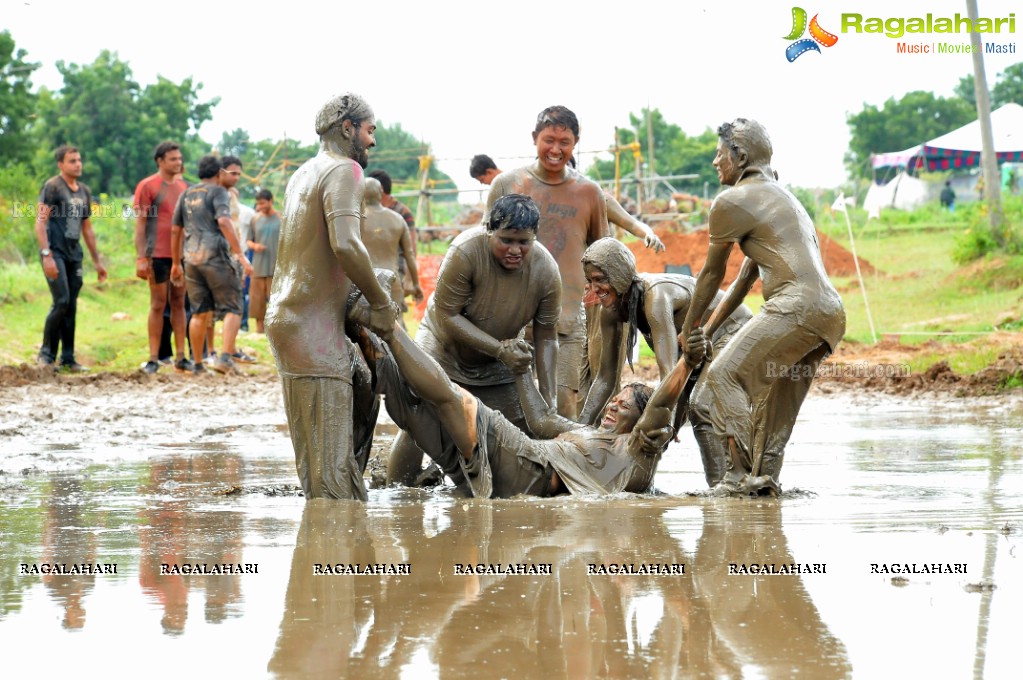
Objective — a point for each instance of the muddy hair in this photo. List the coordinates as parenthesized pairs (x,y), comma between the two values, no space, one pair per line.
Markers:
(641,393)
(610,256)
(339,108)
(749,137)
(514,211)
(374,191)
(557,116)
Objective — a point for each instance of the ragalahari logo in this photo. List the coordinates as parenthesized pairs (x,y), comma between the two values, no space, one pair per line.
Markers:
(818,35)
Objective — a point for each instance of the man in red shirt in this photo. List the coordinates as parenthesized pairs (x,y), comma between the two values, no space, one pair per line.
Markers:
(155,199)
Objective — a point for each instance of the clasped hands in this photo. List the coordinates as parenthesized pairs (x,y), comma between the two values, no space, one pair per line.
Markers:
(516,354)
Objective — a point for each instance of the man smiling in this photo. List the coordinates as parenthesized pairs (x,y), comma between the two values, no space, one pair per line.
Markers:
(493,281)
(573,215)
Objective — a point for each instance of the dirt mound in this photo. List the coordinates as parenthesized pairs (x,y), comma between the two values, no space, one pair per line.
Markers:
(691,249)
(25,374)
(883,367)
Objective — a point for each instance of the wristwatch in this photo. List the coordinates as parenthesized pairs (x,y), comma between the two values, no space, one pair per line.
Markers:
(45,252)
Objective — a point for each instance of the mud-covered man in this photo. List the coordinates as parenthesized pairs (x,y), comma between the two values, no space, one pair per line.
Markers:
(494,280)
(384,234)
(321,255)
(573,215)
(747,392)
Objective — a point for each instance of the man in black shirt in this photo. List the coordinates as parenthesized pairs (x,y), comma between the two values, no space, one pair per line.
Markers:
(62,220)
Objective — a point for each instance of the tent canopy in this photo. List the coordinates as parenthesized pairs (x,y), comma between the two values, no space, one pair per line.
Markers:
(961,148)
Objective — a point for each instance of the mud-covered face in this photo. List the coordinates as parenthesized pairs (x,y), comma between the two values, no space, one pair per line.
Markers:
(621,414)
(510,247)
(726,164)
(554,147)
(363,140)
(600,285)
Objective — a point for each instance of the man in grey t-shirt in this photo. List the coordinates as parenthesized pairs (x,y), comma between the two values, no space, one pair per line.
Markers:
(261,235)
(202,235)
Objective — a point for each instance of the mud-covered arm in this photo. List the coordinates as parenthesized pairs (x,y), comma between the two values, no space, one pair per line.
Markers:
(543,420)
(342,206)
(409,253)
(616,214)
(654,430)
(737,292)
(607,370)
(660,314)
(545,354)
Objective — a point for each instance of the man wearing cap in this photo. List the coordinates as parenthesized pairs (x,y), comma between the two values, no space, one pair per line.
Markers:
(320,257)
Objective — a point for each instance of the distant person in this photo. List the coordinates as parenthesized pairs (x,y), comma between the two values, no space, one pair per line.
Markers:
(384,231)
(207,258)
(390,202)
(493,281)
(948,197)
(262,233)
(230,174)
(573,214)
(62,220)
(321,257)
(155,199)
(753,389)
(483,169)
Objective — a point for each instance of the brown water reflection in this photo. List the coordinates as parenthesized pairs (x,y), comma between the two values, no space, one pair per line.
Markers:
(570,623)
(890,484)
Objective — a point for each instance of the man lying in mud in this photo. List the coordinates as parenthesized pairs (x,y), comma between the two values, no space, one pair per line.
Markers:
(480,448)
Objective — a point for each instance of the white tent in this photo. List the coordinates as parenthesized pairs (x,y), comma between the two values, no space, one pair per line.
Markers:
(903,192)
(961,148)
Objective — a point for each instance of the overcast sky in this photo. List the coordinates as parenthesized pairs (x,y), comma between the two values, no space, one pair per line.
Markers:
(469,78)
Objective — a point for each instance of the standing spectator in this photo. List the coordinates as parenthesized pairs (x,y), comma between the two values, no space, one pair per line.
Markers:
(261,237)
(483,169)
(948,197)
(62,219)
(321,257)
(155,199)
(202,235)
(573,214)
(230,173)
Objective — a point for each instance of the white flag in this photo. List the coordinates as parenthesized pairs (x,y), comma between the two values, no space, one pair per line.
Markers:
(839,203)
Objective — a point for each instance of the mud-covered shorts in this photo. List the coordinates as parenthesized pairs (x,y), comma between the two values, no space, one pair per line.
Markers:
(214,286)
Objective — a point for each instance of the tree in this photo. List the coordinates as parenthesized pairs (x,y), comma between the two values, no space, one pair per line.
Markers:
(675,152)
(398,151)
(115,122)
(1009,86)
(965,90)
(17,102)
(916,117)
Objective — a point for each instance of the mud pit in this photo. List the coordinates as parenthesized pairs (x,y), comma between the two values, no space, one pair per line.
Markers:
(140,473)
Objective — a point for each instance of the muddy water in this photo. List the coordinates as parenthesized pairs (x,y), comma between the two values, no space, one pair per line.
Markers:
(92,476)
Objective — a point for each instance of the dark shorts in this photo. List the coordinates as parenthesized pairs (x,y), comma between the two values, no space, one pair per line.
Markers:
(161,269)
(214,286)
